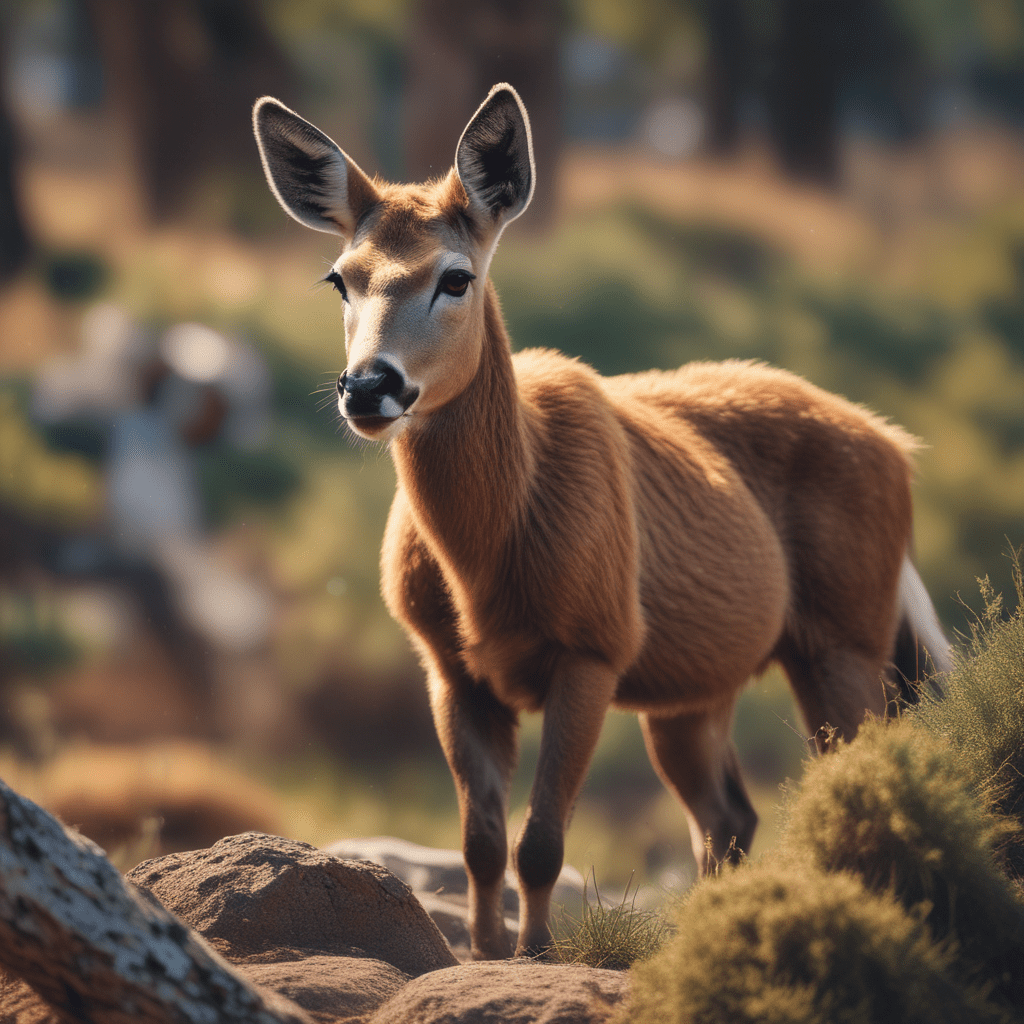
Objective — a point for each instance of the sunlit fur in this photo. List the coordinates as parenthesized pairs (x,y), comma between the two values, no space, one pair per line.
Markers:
(565,542)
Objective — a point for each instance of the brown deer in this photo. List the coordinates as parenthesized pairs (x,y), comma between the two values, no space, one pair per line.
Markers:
(565,542)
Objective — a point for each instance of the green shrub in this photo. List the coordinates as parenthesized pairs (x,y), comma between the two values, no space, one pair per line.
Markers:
(981,713)
(788,944)
(891,808)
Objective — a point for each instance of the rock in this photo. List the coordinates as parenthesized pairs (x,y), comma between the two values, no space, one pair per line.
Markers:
(19,1003)
(438,877)
(331,989)
(252,894)
(508,992)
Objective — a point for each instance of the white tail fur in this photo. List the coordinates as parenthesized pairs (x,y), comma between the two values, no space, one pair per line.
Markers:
(917,609)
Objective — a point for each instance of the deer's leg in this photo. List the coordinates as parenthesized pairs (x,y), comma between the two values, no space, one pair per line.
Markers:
(836,689)
(695,758)
(479,738)
(580,692)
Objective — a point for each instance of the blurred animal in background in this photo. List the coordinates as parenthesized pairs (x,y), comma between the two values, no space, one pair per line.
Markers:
(565,542)
(152,403)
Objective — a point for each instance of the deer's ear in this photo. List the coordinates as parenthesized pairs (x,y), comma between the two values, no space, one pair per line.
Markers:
(311,177)
(494,159)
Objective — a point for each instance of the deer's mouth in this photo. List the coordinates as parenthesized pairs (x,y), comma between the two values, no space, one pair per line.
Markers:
(371,424)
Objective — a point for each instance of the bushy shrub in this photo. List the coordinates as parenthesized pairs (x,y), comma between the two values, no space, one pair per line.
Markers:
(981,713)
(891,808)
(896,894)
(778,944)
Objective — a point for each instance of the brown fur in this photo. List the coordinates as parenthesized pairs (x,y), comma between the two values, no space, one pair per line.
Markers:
(678,531)
(565,542)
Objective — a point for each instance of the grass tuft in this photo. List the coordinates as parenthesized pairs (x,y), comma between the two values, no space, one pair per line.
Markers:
(615,937)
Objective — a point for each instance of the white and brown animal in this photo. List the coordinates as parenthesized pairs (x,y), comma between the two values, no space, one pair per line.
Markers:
(565,543)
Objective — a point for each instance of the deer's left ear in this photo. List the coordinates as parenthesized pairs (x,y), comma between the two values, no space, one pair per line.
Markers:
(317,183)
(494,159)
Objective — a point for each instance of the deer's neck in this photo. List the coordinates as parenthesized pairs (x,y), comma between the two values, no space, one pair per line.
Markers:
(466,470)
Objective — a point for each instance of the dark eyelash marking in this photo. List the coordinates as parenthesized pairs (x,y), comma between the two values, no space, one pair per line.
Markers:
(334,278)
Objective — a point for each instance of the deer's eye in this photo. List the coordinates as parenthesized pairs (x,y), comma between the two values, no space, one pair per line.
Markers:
(455,282)
(334,278)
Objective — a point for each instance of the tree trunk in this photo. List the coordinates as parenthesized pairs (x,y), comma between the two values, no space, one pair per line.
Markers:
(803,88)
(457,51)
(15,246)
(726,73)
(181,77)
(95,949)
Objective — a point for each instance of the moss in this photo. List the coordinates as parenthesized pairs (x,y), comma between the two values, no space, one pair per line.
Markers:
(784,943)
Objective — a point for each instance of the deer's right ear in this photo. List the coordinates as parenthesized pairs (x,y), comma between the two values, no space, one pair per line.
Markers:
(311,177)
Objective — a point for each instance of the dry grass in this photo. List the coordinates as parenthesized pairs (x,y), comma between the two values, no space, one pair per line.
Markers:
(613,937)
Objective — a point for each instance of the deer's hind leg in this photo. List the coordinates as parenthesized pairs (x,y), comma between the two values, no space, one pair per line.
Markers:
(694,756)
(836,688)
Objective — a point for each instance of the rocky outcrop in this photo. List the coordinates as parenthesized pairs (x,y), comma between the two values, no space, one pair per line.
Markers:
(252,894)
(508,992)
(438,877)
(255,928)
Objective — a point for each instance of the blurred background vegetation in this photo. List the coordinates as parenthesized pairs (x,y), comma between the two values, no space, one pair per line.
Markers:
(191,637)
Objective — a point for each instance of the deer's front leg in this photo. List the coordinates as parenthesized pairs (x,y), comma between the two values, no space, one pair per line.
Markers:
(479,738)
(580,692)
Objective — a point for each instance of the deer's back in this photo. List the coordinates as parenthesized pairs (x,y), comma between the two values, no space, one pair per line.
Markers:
(793,499)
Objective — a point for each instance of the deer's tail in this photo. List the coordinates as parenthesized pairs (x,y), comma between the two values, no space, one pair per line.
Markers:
(922,650)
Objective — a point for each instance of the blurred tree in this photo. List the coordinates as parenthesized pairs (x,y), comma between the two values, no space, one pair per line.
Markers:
(727,71)
(181,77)
(822,52)
(15,246)
(456,52)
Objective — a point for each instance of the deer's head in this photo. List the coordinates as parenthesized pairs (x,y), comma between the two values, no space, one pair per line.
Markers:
(414,258)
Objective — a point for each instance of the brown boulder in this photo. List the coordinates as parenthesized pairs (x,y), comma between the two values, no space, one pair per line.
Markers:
(331,989)
(508,992)
(252,894)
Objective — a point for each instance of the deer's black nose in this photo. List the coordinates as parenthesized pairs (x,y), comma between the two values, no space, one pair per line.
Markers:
(379,390)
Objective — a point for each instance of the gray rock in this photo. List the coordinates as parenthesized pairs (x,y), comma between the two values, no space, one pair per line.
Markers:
(438,877)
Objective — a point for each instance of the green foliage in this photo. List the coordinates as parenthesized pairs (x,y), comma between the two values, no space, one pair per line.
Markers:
(981,714)
(892,808)
(614,937)
(75,276)
(38,483)
(33,637)
(233,480)
(780,946)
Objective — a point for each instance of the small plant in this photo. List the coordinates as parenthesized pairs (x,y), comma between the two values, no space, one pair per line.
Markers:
(614,937)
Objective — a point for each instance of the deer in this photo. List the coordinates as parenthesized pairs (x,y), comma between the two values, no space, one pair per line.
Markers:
(567,543)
